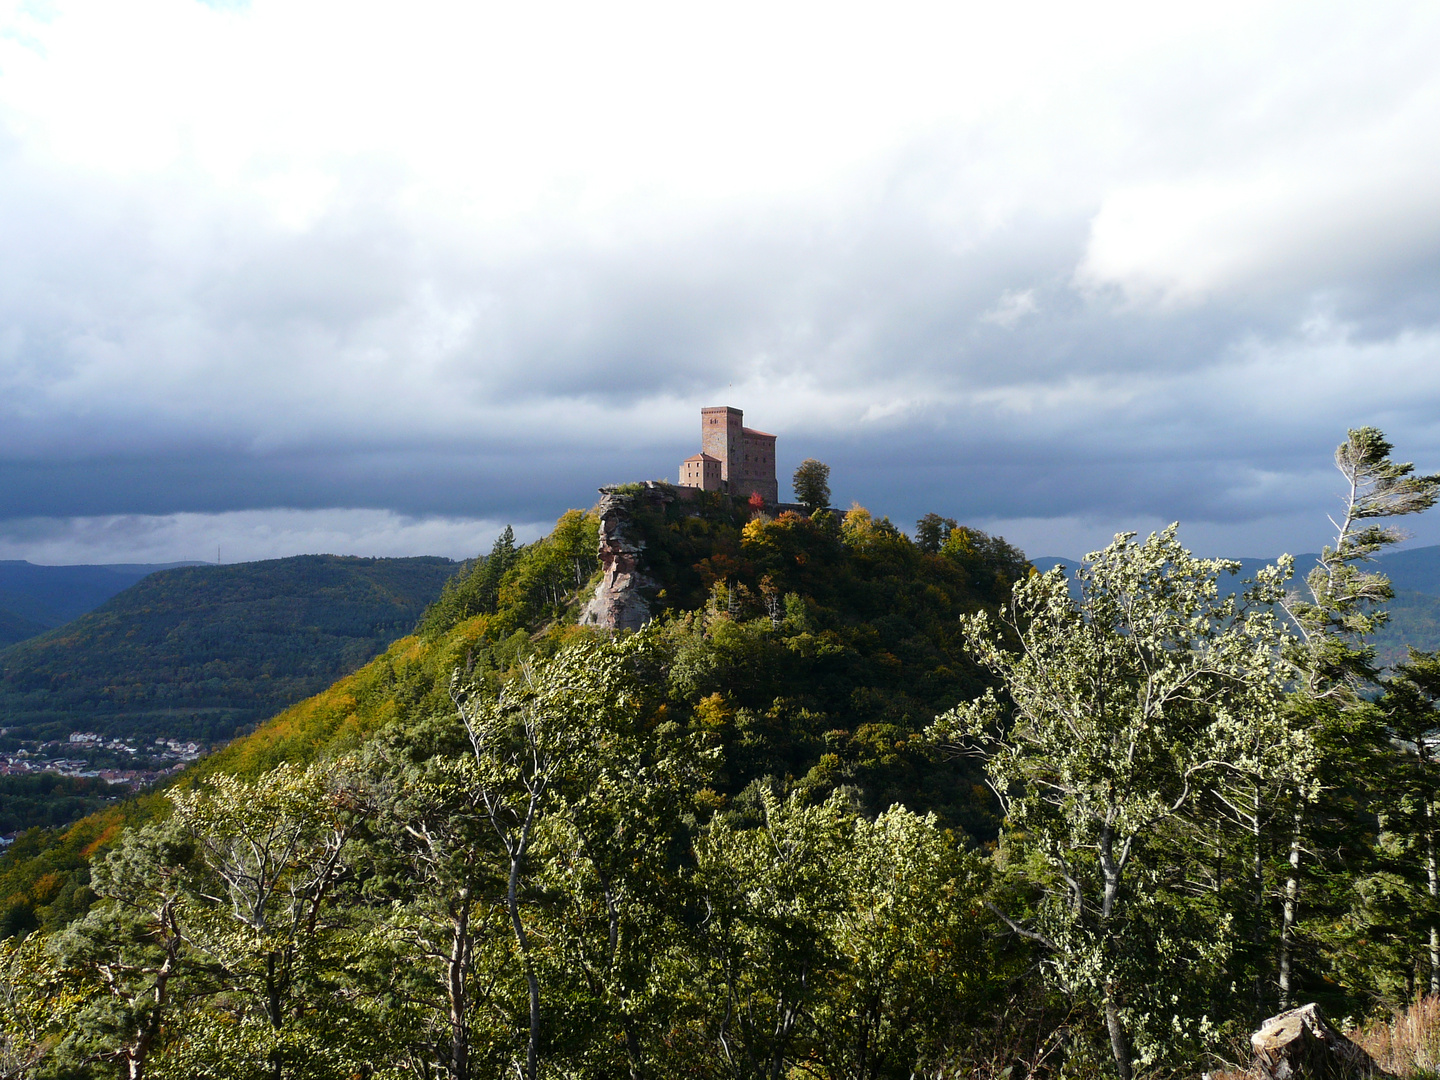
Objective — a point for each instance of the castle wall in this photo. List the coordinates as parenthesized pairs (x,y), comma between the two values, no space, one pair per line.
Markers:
(745,457)
(701,471)
(721,429)
(755,468)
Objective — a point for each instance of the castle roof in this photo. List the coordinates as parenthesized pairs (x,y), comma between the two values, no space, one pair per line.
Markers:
(752,431)
(702,457)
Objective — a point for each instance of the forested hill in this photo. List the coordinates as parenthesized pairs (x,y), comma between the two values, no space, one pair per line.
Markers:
(740,841)
(34,598)
(197,652)
(813,652)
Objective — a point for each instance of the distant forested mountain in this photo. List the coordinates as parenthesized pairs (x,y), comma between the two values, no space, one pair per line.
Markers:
(34,598)
(201,651)
(15,628)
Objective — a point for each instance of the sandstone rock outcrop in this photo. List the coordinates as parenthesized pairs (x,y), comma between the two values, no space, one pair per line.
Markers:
(622,599)
(1301,1043)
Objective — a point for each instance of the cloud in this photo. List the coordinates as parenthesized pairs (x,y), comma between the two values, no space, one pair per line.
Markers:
(244,536)
(468,262)
(1011,308)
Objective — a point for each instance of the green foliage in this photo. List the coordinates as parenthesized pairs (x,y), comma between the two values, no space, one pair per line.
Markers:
(31,997)
(855,945)
(1396,948)
(125,958)
(48,800)
(475,590)
(822,656)
(816,660)
(812,485)
(866,652)
(44,877)
(523,886)
(726,845)
(198,652)
(1122,711)
(217,939)
(932,531)
(518,587)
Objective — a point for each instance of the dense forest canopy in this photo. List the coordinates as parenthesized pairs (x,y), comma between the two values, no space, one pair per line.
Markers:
(739,843)
(198,652)
(49,596)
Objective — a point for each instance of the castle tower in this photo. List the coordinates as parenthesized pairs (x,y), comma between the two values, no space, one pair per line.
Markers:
(721,431)
(732,458)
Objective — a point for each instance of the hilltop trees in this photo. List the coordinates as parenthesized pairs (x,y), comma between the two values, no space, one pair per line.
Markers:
(517,585)
(812,485)
(932,531)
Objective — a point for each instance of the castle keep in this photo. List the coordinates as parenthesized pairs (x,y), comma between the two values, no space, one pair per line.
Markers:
(733,458)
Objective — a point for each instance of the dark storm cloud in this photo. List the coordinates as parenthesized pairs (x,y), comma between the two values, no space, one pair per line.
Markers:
(1119,290)
(421,482)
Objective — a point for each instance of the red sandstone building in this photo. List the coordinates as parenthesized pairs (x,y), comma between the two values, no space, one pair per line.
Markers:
(733,458)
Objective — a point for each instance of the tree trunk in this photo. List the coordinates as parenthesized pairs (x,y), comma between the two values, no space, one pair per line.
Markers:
(1257,871)
(1119,1046)
(456,985)
(1292,903)
(522,942)
(1434,890)
(785,1024)
(627,1026)
(632,1049)
(139,1051)
(275,1016)
(1302,1043)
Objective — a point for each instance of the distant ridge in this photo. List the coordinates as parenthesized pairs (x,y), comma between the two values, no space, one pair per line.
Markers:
(15,628)
(201,651)
(35,598)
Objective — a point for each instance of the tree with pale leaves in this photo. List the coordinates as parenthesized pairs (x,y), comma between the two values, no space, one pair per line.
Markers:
(1120,710)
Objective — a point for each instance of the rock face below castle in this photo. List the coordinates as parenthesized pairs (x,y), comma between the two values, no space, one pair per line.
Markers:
(622,599)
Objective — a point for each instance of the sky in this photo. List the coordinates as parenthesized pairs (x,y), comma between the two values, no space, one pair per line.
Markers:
(285,277)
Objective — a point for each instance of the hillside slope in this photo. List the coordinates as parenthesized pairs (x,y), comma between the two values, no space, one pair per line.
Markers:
(812,652)
(198,652)
(15,628)
(35,598)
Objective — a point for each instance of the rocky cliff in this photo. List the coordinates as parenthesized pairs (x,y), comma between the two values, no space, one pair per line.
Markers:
(622,599)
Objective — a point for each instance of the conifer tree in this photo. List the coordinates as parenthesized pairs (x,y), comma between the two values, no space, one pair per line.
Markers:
(1412,715)
(1339,611)
(129,951)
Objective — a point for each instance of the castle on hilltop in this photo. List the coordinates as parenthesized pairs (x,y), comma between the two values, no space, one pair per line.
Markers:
(733,458)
